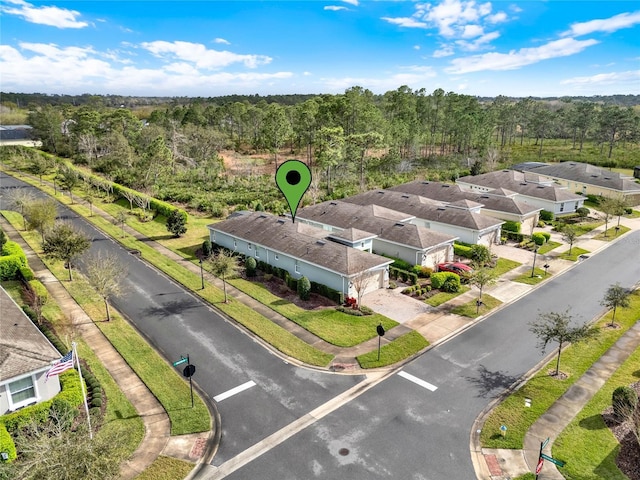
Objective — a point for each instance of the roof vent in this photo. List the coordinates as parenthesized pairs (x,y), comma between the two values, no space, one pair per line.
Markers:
(398,224)
(425,183)
(523,183)
(607,178)
(333,203)
(484,196)
(444,185)
(540,186)
(594,176)
(262,216)
(405,196)
(320,242)
(280,221)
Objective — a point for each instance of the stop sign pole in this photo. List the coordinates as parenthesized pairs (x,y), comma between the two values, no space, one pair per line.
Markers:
(380,330)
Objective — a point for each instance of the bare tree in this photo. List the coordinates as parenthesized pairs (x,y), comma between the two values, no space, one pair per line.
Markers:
(492,159)
(129,195)
(143,201)
(105,274)
(556,327)
(19,200)
(362,278)
(121,219)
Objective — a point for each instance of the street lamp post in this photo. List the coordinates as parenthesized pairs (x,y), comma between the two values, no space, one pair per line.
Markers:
(201,276)
(535,254)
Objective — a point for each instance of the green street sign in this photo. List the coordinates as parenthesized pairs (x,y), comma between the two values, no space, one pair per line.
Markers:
(544,444)
(559,463)
(180,362)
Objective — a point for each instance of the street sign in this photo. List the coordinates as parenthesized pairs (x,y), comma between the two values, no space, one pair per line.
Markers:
(180,362)
(544,444)
(559,463)
(539,467)
(380,330)
(189,370)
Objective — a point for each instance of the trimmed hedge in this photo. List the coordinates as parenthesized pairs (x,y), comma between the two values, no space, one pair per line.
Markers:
(462,250)
(403,275)
(546,215)
(6,443)
(538,238)
(516,237)
(26,273)
(439,278)
(511,226)
(39,289)
(12,259)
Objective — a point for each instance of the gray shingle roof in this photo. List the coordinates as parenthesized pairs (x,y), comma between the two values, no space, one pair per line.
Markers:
(584,173)
(299,240)
(343,214)
(23,348)
(352,235)
(426,209)
(523,183)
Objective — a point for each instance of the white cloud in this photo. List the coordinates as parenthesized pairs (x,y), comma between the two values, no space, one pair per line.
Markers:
(471,31)
(416,47)
(611,24)
(444,51)
(413,76)
(515,59)
(335,8)
(478,43)
(497,18)
(631,76)
(405,22)
(200,56)
(351,2)
(52,16)
(80,70)
(222,40)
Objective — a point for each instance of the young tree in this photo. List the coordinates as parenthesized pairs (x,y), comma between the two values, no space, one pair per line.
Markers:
(615,296)
(556,327)
(610,206)
(480,255)
(89,197)
(39,166)
(120,219)
(361,280)
(41,215)
(19,200)
(65,242)
(224,265)
(105,274)
(177,223)
(481,277)
(569,235)
(68,179)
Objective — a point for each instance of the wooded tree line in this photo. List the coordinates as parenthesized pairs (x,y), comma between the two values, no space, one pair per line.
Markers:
(356,133)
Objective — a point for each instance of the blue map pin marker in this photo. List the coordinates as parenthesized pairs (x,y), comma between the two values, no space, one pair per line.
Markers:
(293,178)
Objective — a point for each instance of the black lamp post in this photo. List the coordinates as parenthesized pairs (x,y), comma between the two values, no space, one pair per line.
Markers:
(201,276)
(535,254)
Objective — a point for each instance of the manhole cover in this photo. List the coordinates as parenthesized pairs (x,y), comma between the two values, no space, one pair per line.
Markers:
(344,452)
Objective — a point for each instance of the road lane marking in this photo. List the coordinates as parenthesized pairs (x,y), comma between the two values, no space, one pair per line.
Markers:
(233,391)
(418,381)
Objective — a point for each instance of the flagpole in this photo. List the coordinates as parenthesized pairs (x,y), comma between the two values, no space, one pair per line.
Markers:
(84,395)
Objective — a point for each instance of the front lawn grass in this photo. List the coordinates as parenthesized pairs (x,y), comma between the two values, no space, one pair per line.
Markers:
(588,434)
(469,309)
(402,347)
(166,468)
(504,265)
(443,297)
(335,327)
(612,234)
(538,276)
(544,390)
(575,253)
(548,246)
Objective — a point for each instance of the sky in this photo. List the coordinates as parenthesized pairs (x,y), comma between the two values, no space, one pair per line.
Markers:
(210,48)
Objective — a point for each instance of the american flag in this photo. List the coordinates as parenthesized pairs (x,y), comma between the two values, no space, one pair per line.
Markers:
(65,363)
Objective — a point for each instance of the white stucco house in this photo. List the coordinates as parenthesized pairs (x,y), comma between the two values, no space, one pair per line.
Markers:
(529,188)
(339,260)
(25,357)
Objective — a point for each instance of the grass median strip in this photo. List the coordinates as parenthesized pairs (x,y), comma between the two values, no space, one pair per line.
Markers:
(402,347)
(544,390)
(471,310)
(443,297)
(163,381)
(575,253)
(539,275)
(588,434)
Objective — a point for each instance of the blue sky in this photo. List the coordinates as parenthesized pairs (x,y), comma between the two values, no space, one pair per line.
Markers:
(210,48)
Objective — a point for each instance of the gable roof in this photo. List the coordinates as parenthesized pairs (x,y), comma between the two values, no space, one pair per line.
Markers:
(499,200)
(352,235)
(584,173)
(342,214)
(426,209)
(23,348)
(523,183)
(299,240)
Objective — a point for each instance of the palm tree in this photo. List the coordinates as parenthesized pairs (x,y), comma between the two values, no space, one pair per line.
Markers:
(224,264)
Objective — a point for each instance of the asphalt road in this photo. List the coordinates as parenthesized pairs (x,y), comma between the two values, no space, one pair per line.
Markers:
(177,323)
(402,430)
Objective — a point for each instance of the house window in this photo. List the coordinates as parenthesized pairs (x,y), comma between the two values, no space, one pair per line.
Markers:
(22,392)
(257,252)
(235,244)
(297,267)
(562,207)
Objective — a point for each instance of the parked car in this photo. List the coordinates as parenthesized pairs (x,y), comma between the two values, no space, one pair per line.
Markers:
(454,267)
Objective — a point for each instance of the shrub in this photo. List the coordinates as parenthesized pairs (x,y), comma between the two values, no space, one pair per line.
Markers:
(177,223)
(546,215)
(350,311)
(12,259)
(206,248)
(511,226)
(627,210)
(462,250)
(538,238)
(366,310)
(39,289)
(304,288)
(541,224)
(96,402)
(438,279)
(421,271)
(6,443)
(26,273)
(594,198)
(250,266)
(583,212)
(480,254)
(62,411)
(451,284)
(546,235)
(516,237)
(624,401)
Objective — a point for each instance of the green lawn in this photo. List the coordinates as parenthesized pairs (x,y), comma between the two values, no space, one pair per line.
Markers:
(166,468)
(538,276)
(470,309)
(611,233)
(548,246)
(402,347)
(335,327)
(504,265)
(588,434)
(443,297)
(544,390)
(575,253)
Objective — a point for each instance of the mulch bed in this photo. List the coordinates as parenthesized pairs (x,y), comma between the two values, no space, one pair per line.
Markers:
(628,460)
(277,286)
